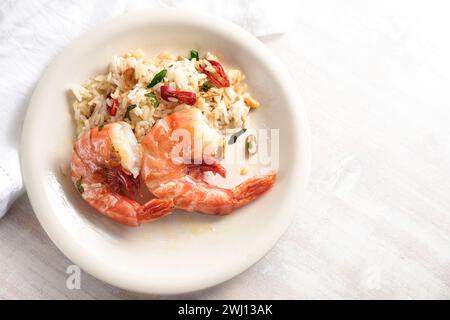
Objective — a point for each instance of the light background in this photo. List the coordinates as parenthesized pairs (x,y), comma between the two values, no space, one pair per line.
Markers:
(375,223)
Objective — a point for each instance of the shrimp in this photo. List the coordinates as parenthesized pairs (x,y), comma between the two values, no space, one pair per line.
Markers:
(105,166)
(166,176)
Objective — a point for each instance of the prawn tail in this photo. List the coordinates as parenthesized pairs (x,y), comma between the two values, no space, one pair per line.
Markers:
(154,209)
(212,165)
(251,189)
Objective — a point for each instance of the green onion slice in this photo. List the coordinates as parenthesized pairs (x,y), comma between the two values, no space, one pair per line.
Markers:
(206,86)
(153,99)
(127,113)
(235,136)
(157,78)
(194,55)
(79,185)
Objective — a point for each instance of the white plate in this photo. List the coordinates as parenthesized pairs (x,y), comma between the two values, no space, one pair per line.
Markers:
(181,252)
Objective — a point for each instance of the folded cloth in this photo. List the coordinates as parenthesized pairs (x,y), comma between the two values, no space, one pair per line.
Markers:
(33,32)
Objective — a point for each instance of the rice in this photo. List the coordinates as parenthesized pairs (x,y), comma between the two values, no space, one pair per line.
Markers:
(126,81)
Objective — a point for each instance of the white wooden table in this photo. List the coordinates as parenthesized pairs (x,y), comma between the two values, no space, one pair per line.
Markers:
(375,222)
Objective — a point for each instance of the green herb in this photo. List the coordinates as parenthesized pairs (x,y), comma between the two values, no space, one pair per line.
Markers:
(100,127)
(79,185)
(235,136)
(127,113)
(153,99)
(206,86)
(157,78)
(194,55)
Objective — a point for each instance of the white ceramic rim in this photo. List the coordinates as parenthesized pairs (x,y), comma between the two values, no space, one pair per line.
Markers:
(43,210)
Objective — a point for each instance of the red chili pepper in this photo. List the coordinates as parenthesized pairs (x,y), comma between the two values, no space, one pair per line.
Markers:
(218,78)
(112,109)
(121,181)
(168,94)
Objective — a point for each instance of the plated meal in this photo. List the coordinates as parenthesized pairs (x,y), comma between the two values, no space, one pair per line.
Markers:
(114,128)
(162,123)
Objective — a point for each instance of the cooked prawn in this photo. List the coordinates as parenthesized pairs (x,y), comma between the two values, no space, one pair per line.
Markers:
(166,176)
(105,165)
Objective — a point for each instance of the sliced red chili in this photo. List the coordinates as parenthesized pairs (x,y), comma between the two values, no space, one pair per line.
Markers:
(112,106)
(121,181)
(168,94)
(218,78)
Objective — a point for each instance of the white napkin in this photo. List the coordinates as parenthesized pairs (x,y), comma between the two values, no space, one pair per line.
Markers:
(33,32)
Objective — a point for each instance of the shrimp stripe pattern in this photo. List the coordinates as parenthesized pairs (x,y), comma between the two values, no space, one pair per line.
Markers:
(100,170)
(183,183)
